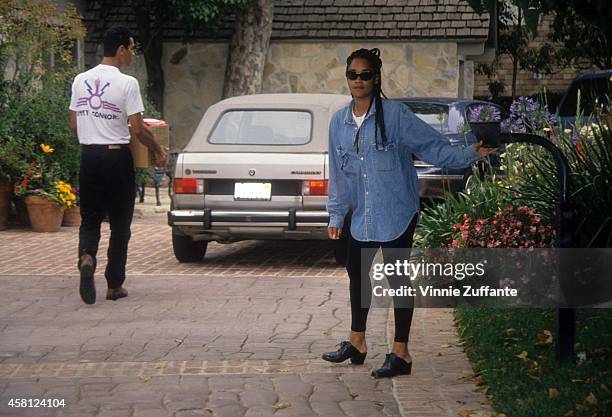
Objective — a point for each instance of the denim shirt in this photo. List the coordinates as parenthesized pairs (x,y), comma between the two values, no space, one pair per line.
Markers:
(379,184)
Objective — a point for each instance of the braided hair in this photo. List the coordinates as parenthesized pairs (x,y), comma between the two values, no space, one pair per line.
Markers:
(373,58)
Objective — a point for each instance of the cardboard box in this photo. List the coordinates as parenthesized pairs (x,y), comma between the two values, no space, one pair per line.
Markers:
(143,158)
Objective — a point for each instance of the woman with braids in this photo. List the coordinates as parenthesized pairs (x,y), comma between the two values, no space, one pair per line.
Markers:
(371,143)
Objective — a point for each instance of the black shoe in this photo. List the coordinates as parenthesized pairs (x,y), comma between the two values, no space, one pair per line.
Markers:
(117,293)
(87,287)
(393,365)
(345,352)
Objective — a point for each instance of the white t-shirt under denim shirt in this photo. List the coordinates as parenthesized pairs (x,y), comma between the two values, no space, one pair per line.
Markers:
(359,119)
(103,98)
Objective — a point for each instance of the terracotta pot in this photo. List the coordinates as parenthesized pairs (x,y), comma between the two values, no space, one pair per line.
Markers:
(45,215)
(72,217)
(6,194)
(21,211)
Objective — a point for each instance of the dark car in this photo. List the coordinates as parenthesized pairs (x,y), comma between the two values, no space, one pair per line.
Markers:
(595,89)
(448,116)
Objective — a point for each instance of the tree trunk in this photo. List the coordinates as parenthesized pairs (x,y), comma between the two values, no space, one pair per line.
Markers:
(514,74)
(515,54)
(248,50)
(151,41)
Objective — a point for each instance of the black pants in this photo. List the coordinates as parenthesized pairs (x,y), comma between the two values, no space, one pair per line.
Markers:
(107,188)
(361,260)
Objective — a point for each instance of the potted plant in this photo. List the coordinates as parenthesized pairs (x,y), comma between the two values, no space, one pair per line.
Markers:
(72,214)
(46,195)
(485,123)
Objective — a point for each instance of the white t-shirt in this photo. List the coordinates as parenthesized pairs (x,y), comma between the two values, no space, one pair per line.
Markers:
(103,98)
(358,119)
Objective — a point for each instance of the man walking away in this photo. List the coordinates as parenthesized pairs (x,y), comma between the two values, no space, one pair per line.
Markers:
(103,102)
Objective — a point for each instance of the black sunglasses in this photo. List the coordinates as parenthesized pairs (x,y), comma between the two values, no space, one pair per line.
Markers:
(365,76)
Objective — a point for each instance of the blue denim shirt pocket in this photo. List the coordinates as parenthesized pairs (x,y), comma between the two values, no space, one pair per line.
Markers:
(385,159)
(343,157)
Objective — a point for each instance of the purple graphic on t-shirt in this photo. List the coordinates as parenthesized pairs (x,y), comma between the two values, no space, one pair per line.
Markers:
(95,98)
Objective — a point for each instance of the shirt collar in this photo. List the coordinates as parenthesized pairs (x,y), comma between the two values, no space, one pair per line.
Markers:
(107,67)
(348,113)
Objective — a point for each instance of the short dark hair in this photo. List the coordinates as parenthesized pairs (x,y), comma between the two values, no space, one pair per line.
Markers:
(114,38)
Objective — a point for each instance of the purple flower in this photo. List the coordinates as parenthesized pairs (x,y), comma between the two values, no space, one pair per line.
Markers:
(484,113)
(528,115)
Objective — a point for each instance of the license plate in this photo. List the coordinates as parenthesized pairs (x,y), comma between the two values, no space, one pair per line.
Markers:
(253,191)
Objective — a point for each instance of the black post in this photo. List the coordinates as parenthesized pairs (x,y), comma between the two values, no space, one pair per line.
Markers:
(565,232)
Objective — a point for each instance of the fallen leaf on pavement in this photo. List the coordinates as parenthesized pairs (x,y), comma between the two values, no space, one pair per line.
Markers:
(280,406)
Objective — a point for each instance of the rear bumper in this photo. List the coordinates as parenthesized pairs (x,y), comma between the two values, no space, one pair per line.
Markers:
(207,218)
(436,185)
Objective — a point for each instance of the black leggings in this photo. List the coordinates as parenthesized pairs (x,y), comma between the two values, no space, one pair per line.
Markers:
(359,286)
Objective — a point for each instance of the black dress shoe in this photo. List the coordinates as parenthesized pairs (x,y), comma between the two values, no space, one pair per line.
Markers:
(87,286)
(346,351)
(394,365)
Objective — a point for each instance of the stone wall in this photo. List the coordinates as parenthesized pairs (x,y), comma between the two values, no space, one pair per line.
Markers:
(194,74)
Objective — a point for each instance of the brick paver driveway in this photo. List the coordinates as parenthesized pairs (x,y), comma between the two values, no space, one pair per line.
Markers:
(239,334)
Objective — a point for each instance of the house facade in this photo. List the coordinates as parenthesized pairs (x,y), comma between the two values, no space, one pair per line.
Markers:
(428,48)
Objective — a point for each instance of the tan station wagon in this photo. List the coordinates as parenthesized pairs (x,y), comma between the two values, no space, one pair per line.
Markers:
(255,168)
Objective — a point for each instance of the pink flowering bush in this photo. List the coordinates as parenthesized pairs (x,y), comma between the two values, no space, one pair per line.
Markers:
(514,227)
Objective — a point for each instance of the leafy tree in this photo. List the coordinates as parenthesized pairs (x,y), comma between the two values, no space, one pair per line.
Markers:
(34,32)
(152,16)
(581,34)
(582,28)
(36,38)
(518,22)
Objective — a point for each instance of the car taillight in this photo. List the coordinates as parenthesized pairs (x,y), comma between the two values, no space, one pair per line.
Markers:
(188,186)
(314,187)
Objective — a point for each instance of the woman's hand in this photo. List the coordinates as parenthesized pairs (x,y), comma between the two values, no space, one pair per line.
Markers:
(483,150)
(334,233)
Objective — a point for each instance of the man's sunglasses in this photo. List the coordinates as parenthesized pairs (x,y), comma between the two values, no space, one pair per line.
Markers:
(365,76)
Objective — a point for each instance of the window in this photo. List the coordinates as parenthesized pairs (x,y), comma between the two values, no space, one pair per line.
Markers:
(435,115)
(263,127)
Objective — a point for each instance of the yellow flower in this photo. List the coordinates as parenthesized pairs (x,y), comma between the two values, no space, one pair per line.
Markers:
(46,148)
(547,129)
(567,130)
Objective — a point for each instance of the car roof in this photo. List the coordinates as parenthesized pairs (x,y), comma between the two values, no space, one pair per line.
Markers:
(321,106)
(285,100)
(441,100)
(594,74)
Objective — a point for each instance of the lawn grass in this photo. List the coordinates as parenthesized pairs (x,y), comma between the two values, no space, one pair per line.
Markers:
(512,352)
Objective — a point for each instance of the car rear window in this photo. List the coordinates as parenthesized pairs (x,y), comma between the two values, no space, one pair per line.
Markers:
(435,115)
(262,127)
